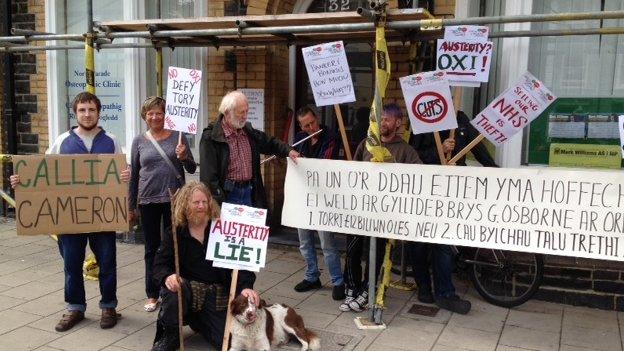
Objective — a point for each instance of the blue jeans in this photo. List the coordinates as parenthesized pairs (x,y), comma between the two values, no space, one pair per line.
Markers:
(330,254)
(103,245)
(240,196)
(442,260)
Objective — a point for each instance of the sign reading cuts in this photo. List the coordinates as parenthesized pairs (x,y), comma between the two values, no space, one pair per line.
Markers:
(238,240)
(183,94)
(549,211)
(513,109)
(429,102)
(329,73)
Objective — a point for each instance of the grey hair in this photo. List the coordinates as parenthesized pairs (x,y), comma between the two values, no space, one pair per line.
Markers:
(228,103)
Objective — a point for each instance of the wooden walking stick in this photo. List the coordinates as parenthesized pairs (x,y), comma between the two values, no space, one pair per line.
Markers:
(176,259)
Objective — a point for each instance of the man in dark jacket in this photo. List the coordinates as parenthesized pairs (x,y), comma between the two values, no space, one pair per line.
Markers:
(229,154)
(325,145)
(204,288)
(441,255)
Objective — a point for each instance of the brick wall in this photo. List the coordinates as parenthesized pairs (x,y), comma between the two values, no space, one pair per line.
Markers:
(30,82)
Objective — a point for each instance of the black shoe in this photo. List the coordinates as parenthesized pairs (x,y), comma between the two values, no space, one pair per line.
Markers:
(306,285)
(425,295)
(169,340)
(338,292)
(454,304)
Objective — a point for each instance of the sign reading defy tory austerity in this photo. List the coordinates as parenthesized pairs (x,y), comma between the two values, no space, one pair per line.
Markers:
(238,240)
(183,94)
(68,194)
(550,211)
(329,73)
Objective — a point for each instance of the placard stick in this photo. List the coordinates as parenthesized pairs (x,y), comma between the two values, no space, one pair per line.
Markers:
(179,138)
(293,145)
(228,318)
(457,95)
(343,132)
(176,260)
(466,149)
(438,141)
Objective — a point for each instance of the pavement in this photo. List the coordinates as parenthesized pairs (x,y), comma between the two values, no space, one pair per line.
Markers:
(31,303)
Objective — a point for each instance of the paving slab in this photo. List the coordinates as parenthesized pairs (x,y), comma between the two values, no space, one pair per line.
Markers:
(530,339)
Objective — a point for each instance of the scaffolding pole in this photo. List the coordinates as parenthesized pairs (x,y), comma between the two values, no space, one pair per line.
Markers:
(89,54)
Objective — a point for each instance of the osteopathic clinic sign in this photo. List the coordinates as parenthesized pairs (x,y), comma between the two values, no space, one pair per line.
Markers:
(466,54)
(255,99)
(429,102)
(549,211)
(328,71)
(183,94)
(68,194)
(513,109)
(238,239)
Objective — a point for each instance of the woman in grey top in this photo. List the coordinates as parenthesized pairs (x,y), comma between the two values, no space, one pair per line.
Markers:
(152,178)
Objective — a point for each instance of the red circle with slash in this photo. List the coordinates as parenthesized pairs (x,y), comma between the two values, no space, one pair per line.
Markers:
(435,110)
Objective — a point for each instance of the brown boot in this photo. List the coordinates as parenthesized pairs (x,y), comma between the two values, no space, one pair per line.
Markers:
(69,320)
(109,318)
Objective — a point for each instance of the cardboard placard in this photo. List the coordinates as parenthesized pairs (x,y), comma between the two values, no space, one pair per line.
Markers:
(543,210)
(429,102)
(465,55)
(69,194)
(513,109)
(238,240)
(183,94)
(329,73)
(255,98)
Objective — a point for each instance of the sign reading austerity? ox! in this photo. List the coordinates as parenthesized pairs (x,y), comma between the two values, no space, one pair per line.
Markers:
(69,194)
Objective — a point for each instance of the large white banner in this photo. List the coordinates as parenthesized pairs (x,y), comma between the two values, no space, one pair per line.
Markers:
(329,73)
(550,211)
(429,102)
(513,109)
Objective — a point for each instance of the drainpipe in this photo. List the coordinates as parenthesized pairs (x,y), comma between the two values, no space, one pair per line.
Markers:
(9,123)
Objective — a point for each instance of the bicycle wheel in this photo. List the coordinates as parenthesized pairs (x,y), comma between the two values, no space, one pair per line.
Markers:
(506,278)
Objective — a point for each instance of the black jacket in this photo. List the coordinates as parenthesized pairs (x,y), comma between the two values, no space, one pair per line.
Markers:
(465,133)
(214,158)
(329,147)
(164,264)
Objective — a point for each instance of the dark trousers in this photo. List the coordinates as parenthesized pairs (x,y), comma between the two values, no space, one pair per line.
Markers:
(72,248)
(240,195)
(209,322)
(152,215)
(442,261)
(353,262)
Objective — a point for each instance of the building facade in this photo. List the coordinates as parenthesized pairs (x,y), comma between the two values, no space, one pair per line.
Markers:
(585,72)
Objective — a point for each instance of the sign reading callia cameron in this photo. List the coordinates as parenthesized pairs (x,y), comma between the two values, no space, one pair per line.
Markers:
(550,211)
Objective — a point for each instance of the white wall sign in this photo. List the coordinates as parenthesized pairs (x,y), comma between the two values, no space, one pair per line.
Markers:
(513,109)
(238,240)
(465,54)
(429,102)
(329,73)
(183,94)
(255,98)
(549,211)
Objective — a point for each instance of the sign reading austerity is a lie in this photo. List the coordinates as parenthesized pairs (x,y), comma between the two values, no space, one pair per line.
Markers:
(68,194)
(238,239)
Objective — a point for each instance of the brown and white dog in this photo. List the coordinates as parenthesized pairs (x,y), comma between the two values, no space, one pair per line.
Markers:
(259,328)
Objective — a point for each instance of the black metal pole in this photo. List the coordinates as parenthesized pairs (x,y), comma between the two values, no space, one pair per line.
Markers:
(9,119)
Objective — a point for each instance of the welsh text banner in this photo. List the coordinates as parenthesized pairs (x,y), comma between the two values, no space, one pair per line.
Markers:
(68,194)
(559,212)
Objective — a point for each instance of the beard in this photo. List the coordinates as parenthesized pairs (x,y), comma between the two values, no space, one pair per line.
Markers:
(87,127)
(195,217)
(235,123)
